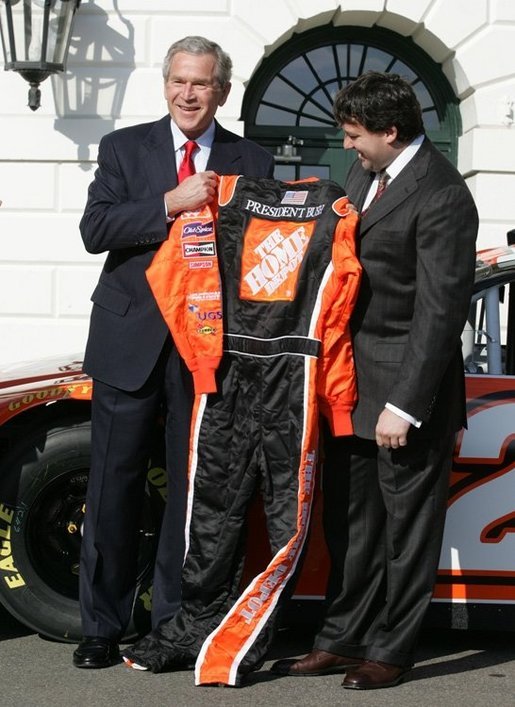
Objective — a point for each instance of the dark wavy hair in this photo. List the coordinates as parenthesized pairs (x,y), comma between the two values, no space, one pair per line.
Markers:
(379,101)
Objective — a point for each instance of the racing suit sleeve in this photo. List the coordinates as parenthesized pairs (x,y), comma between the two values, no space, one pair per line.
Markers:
(336,384)
(185,281)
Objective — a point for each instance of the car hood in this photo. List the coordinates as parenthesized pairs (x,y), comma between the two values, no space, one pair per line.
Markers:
(49,368)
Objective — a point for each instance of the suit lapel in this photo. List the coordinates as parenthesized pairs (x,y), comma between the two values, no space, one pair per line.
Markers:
(398,191)
(358,184)
(400,188)
(225,157)
(158,157)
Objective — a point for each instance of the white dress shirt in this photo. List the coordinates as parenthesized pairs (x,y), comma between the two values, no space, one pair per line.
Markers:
(200,156)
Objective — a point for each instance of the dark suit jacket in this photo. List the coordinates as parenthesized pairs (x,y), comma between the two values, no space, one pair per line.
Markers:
(125,215)
(417,249)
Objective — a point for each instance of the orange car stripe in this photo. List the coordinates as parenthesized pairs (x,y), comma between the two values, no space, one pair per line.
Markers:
(469,592)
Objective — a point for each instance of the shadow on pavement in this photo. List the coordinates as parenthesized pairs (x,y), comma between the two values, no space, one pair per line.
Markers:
(10,627)
(446,652)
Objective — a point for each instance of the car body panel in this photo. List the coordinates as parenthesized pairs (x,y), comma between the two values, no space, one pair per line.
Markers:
(30,385)
(477,559)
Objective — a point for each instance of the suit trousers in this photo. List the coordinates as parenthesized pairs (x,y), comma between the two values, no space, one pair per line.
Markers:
(384,513)
(123,428)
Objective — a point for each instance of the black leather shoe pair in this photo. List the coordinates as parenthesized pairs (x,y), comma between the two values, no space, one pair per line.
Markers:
(96,652)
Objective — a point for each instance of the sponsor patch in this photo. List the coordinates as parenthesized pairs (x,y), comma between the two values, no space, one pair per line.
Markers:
(200,264)
(199,250)
(211,316)
(206,330)
(295,198)
(200,296)
(197,229)
(203,315)
(272,258)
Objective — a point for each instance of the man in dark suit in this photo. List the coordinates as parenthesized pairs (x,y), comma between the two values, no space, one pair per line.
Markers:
(136,369)
(385,488)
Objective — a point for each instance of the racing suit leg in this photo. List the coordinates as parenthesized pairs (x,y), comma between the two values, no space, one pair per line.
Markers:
(289,438)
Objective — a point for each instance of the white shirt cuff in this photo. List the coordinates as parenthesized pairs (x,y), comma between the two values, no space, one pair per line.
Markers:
(404,415)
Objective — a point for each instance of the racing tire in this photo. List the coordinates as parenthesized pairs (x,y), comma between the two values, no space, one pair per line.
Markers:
(43,481)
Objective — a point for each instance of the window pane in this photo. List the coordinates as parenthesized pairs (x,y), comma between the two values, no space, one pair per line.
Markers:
(308,120)
(283,95)
(377,60)
(399,67)
(423,95)
(312,107)
(267,115)
(321,171)
(356,56)
(431,120)
(322,60)
(299,73)
(284,172)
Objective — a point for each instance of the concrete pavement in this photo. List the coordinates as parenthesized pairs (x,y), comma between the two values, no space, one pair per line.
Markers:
(454,668)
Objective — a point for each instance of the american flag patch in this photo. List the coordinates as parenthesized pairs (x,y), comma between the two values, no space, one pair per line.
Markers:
(295,198)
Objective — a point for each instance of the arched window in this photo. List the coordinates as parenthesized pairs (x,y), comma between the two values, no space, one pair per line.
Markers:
(288,102)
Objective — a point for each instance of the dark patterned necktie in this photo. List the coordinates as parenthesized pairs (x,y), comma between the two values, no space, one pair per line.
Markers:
(381,186)
(187,166)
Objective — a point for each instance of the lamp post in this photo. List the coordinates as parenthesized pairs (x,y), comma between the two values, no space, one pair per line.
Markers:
(35,37)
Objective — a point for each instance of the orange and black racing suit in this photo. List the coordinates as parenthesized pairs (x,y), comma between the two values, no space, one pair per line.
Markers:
(289,274)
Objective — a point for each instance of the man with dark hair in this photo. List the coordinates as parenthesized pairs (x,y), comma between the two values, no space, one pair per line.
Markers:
(385,488)
(147,174)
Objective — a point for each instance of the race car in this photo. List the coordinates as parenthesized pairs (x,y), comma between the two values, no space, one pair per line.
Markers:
(44,464)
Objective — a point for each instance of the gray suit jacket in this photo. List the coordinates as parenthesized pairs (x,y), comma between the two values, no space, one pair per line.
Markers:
(417,249)
(125,215)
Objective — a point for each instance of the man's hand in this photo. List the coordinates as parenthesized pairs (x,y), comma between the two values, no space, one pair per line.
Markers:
(192,194)
(391,430)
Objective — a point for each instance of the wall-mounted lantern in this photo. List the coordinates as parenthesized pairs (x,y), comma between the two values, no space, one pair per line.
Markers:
(35,37)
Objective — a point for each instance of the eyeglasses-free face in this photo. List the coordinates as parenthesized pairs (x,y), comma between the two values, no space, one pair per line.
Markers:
(193,93)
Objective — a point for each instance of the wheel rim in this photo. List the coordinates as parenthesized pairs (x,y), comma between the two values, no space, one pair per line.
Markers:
(54,533)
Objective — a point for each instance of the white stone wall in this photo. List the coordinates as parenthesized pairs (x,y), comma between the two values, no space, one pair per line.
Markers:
(47,158)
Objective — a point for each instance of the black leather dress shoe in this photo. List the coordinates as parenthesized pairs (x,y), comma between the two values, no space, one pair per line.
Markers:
(96,652)
(373,674)
(315,663)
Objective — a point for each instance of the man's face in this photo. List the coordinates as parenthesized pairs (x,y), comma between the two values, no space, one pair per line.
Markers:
(375,150)
(193,93)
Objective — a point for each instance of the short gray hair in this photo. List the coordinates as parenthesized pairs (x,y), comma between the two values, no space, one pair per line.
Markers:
(201,45)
